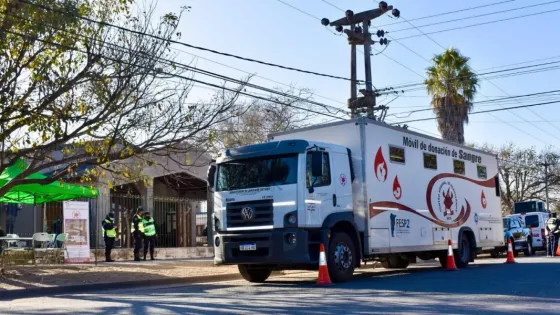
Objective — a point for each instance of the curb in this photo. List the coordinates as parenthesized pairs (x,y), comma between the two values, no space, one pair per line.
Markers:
(51,291)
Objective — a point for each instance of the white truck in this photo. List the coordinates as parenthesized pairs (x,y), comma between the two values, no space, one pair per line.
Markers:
(366,190)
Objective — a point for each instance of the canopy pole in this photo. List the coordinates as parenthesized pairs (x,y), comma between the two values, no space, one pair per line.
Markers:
(97,229)
(34,214)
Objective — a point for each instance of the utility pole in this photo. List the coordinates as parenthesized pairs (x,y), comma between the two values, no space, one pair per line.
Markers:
(546,165)
(360,35)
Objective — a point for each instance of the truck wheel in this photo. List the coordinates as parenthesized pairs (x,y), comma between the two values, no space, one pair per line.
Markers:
(341,258)
(529,251)
(395,261)
(463,253)
(256,275)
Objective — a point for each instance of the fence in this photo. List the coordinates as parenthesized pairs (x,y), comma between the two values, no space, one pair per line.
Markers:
(179,222)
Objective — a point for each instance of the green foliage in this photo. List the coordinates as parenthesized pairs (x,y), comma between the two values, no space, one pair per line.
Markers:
(76,92)
(453,86)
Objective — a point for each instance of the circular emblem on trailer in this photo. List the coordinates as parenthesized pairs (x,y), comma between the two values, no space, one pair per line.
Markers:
(247,213)
(342,179)
(447,200)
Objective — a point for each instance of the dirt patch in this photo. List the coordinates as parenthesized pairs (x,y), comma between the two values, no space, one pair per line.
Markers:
(22,277)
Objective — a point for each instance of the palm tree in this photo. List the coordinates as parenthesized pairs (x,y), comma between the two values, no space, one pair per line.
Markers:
(452,85)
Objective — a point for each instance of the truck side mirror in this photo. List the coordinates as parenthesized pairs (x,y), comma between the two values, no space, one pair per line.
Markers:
(317,164)
(210,175)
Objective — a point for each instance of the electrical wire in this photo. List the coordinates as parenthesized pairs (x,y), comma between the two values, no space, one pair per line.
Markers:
(175,75)
(477,24)
(474,16)
(485,111)
(450,12)
(172,41)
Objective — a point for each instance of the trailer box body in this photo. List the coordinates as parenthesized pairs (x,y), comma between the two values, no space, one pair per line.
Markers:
(412,192)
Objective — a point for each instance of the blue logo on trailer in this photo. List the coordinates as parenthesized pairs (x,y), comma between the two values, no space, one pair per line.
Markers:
(393,221)
(476,218)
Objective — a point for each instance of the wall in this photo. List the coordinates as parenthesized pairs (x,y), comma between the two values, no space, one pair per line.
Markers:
(160,253)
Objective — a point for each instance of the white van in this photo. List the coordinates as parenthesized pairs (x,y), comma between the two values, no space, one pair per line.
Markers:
(536,221)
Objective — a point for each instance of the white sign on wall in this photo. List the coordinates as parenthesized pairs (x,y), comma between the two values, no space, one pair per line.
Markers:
(76,224)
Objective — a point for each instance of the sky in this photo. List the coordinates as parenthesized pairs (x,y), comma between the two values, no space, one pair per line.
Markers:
(270,30)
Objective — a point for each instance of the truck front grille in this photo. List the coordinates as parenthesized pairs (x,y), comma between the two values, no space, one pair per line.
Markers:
(262,213)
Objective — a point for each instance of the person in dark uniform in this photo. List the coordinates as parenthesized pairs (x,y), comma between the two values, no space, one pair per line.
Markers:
(137,229)
(109,235)
(553,228)
(149,235)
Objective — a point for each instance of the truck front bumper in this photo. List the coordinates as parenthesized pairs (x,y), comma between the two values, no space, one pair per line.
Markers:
(271,247)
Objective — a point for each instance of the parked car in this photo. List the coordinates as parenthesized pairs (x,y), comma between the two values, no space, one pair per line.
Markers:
(536,222)
(520,236)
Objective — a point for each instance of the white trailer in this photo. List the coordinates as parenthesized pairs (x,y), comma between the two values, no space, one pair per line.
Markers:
(367,190)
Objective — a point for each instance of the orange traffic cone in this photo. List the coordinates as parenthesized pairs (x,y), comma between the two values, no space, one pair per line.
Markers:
(323,278)
(557,250)
(510,259)
(450,259)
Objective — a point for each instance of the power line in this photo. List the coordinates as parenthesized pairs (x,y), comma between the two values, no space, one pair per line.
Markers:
(450,12)
(194,69)
(485,111)
(481,102)
(536,126)
(477,24)
(185,44)
(474,16)
(176,75)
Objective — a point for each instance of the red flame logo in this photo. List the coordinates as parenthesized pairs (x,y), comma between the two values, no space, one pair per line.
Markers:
(380,166)
(483,200)
(448,202)
(397,189)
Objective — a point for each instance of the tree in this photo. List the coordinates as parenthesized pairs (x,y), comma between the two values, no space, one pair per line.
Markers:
(259,119)
(522,177)
(73,85)
(452,85)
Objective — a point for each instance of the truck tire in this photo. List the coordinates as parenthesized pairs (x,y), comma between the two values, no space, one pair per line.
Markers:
(529,251)
(341,257)
(395,262)
(255,275)
(463,253)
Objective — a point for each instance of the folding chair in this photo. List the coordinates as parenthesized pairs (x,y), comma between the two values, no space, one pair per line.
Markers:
(62,239)
(42,238)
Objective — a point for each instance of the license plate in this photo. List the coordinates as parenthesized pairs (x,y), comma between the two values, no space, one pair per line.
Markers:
(245,247)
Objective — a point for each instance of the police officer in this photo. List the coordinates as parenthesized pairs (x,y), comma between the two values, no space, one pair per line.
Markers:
(553,228)
(149,235)
(137,229)
(109,235)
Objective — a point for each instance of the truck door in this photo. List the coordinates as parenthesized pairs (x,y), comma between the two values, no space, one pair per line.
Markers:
(319,192)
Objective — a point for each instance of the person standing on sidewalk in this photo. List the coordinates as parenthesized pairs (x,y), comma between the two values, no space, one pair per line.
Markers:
(109,235)
(137,229)
(149,235)
(553,228)
(12,210)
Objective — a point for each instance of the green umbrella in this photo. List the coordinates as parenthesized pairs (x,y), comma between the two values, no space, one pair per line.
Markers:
(36,193)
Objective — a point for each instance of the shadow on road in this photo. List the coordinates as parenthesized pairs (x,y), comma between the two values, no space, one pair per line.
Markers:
(482,289)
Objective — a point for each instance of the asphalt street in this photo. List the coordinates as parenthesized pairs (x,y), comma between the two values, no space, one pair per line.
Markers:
(532,286)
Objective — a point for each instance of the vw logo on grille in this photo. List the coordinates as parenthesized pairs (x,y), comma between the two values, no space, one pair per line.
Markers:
(247,213)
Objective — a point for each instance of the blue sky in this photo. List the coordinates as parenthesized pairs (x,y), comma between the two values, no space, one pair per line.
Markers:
(271,31)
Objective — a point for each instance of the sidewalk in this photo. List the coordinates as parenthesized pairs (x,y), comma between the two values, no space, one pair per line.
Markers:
(20,281)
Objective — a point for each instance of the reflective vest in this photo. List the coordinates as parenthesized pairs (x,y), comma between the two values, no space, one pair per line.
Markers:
(112,232)
(140,225)
(551,224)
(149,227)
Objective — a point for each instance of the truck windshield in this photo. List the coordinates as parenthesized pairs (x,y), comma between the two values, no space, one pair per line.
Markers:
(260,172)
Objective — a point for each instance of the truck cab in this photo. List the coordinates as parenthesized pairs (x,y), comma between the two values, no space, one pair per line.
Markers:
(276,202)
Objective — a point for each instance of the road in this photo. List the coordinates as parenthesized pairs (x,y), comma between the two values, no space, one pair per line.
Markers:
(487,287)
